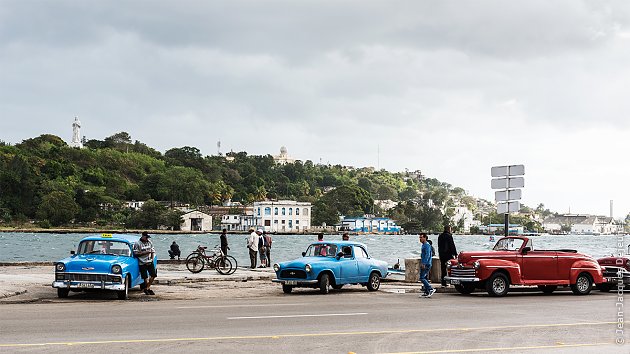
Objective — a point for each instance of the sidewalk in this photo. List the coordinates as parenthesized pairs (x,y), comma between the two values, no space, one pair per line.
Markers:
(35,279)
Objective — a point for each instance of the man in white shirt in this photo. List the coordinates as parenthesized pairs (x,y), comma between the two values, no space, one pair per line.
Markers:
(252,245)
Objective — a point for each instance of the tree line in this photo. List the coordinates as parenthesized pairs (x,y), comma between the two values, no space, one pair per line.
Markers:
(45,180)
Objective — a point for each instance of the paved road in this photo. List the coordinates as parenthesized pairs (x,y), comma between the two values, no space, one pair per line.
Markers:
(305,322)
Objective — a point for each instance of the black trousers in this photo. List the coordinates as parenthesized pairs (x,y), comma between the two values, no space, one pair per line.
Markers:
(253,258)
(443,269)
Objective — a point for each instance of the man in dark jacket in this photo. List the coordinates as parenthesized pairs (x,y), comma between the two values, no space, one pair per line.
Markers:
(446,250)
(224,242)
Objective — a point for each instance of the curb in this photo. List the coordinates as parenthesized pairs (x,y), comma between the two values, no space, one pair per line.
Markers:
(15,293)
(207,280)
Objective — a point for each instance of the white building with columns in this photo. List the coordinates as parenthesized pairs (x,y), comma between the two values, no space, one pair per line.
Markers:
(286,216)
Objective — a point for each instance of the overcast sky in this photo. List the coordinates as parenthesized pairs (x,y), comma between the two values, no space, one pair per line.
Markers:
(448,87)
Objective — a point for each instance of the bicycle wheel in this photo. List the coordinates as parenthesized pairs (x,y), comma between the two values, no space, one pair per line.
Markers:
(195,264)
(192,254)
(223,265)
(234,264)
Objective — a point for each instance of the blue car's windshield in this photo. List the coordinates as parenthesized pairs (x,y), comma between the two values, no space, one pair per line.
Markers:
(321,250)
(104,247)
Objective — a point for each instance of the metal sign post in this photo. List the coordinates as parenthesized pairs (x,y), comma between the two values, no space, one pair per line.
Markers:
(509,181)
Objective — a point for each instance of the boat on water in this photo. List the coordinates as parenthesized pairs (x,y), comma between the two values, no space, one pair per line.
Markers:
(534,234)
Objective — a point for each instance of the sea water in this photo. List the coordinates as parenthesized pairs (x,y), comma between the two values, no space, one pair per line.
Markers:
(22,247)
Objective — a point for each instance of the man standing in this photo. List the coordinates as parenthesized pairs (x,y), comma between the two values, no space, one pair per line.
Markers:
(262,249)
(425,266)
(252,245)
(345,237)
(269,241)
(143,249)
(446,251)
(224,242)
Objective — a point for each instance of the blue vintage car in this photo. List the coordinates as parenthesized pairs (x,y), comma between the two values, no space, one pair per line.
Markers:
(331,264)
(101,262)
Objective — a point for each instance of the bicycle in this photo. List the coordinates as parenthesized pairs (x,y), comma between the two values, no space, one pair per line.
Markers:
(198,260)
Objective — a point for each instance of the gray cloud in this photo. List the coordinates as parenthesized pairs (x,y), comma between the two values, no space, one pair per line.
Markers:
(431,84)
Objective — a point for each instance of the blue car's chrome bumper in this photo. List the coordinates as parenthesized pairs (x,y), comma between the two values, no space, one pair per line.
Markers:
(67,284)
(296,282)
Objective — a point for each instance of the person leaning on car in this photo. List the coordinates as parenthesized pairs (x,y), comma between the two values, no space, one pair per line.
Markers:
(446,250)
(143,249)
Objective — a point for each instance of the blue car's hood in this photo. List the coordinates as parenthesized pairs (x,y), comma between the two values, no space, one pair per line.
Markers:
(97,263)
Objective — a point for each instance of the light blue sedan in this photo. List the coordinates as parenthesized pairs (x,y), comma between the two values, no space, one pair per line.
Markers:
(103,262)
(331,264)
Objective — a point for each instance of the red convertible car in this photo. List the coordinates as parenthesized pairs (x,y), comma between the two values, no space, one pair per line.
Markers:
(515,261)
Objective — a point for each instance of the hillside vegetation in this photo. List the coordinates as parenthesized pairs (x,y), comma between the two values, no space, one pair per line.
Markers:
(45,180)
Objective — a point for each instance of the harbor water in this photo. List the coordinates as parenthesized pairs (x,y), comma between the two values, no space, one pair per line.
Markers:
(23,247)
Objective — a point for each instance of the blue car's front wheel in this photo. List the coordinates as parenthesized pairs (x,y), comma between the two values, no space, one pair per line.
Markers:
(324,283)
(124,294)
(62,292)
(374,282)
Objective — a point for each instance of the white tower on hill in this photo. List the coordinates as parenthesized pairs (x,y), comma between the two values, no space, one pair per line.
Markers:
(76,133)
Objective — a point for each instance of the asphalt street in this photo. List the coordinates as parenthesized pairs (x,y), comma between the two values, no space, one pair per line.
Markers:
(307,322)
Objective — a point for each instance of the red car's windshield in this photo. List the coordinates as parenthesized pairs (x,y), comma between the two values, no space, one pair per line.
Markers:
(508,244)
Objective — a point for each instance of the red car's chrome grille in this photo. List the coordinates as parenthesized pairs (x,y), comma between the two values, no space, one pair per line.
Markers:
(463,272)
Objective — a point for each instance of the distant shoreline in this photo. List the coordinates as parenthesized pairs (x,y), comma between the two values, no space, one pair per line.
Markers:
(105,231)
(134,231)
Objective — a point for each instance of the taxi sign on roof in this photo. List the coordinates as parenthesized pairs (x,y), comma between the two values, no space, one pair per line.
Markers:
(106,235)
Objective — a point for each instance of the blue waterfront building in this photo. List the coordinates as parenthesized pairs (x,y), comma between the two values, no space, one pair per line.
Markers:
(370,225)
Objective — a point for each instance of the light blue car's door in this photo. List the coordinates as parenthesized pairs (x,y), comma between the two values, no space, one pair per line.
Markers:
(348,266)
(134,269)
(364,264)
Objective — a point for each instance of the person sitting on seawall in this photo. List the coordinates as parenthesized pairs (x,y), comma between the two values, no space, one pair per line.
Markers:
(174,251)
(345,237)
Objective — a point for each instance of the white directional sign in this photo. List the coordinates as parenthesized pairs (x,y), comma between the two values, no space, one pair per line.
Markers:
(509,179)
(503,171)
(500,171)
(503,196)
(506,183)
(509,207)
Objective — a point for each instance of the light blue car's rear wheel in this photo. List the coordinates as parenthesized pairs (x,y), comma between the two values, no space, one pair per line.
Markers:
(374,282)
